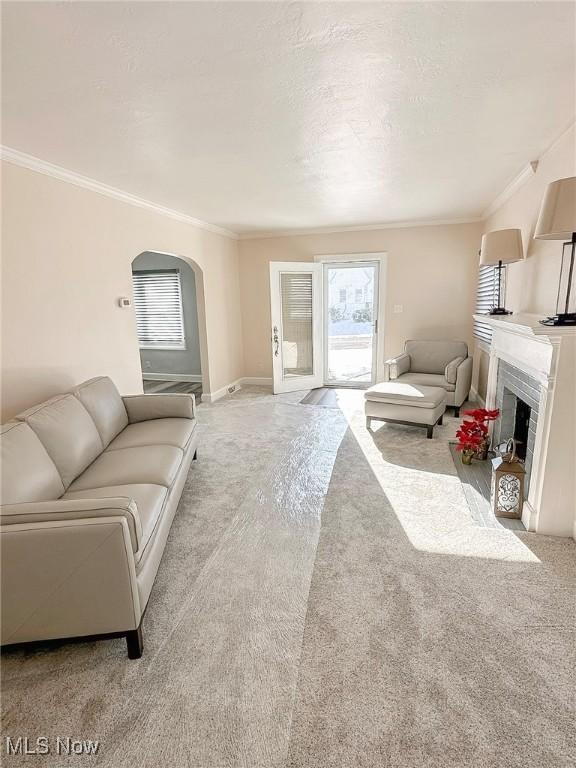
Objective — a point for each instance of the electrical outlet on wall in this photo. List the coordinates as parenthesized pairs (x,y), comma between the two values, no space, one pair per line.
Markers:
(398,309)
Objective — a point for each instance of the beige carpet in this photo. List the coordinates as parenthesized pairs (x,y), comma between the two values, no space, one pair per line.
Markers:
(324,600)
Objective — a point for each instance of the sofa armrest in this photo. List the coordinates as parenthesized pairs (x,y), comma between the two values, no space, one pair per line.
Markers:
(66,575)
(463,381)
(161,406)
(450,372)
(396,366)
(70,510)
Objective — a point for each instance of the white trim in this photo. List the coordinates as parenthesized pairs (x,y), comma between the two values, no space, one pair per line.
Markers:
(373,263)
(523,176)
(192,377)
(483,346)
(256,235)
(63,174)
(212,397)
(519,181)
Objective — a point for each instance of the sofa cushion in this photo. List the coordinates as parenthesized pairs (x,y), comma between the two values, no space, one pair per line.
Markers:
(406,394)
(149,500)
(148,464)
(66,430)
(28,472)
(103,402)
(433,356)
(427,380)
(156,432)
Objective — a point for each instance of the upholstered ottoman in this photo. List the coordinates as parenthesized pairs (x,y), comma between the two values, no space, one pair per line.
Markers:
(405,404)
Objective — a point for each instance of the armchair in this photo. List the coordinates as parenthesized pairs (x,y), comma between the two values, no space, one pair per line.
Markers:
(443,364)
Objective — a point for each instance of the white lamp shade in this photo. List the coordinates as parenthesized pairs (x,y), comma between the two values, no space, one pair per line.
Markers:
(557,220)
(503,245)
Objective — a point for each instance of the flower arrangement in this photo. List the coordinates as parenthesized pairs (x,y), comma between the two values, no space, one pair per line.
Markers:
(472,434)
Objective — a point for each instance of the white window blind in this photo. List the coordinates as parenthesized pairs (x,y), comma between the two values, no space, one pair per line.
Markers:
(297,333)
(486,298)
(158,305)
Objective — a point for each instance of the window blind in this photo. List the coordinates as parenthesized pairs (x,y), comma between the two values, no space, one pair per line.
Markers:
(158,306)
(485,299)
(297,297)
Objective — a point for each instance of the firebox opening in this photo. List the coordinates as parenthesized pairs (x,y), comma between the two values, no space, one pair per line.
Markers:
(521,425)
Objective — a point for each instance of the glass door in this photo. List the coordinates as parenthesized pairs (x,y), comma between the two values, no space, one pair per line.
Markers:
(350,323)
(296,310)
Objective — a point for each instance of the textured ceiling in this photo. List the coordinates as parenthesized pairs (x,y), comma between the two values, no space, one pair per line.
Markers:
(271,116)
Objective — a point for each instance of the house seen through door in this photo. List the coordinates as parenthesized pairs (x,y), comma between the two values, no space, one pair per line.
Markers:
(324,324)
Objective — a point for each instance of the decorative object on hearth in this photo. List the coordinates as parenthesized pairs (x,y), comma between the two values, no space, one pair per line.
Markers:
(472,434)
(557,221)
(508,474)
(503,246)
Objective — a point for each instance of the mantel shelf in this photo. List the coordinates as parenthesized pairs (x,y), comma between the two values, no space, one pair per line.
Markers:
(525,324)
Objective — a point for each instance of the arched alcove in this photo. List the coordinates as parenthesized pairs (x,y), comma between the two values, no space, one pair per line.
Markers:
(194,321)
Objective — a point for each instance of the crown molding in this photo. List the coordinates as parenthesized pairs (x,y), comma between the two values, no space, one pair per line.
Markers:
(519,181)
(358,228)
(63,174)
(523,176)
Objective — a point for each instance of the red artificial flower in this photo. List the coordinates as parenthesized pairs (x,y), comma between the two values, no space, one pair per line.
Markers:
(482,414)
(471,434)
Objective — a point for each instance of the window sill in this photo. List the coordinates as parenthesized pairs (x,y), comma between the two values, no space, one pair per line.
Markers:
(163,348)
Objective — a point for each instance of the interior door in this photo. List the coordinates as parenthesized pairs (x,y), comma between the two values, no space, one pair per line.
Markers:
(296,310)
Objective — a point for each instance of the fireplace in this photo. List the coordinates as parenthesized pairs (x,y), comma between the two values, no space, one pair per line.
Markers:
(534,364)
(518,398)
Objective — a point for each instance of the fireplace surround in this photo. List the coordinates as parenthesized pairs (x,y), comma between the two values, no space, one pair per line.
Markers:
(518,399)
(536,365)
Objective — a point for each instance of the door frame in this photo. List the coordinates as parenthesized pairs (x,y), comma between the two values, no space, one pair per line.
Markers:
(350,259)
(375,264)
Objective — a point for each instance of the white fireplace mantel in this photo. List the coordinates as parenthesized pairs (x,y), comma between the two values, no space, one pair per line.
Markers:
(547,354)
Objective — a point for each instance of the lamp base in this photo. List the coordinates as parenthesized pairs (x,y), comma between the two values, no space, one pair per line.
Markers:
(562,319)
(499,311)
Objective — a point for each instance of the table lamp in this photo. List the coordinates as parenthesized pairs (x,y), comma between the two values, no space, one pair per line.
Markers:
(503,246)
(557,221)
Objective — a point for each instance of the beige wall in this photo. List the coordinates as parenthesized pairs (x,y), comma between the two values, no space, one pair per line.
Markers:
(67,253)
(532,285)
(431,272)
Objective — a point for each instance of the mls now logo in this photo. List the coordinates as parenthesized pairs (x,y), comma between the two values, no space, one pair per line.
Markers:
(43,746)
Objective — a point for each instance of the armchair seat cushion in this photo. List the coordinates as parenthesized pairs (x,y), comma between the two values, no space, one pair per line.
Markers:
(147,464)
(427,380)
(176,432)
(149,501)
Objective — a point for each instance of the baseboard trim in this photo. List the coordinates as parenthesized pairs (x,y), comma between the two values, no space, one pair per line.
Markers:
(192,377)
(212,397)
(476,397)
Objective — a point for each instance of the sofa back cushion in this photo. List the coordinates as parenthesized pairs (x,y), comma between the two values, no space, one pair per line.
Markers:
(28,472)
(434,356)
(66,430)
(103,402)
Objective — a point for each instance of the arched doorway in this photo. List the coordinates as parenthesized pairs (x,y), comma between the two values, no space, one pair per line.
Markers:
(171,323)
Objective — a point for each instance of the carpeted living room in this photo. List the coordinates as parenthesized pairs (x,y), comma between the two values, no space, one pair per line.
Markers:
(289,349)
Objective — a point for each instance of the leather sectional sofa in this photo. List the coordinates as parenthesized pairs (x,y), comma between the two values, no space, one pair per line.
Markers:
(90,485)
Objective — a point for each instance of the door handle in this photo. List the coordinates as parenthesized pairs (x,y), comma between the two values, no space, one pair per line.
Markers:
(276,341)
